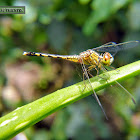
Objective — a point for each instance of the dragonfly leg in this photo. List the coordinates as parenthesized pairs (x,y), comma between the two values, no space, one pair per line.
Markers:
(84,81)
(114,68)
(94,93)
(104,70)
(97,69)
(89,69)
(85,75)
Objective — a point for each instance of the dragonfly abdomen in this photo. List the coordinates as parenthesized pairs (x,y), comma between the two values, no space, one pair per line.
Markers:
(73,58)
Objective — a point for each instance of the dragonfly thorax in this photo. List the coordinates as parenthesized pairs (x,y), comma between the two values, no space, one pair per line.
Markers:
(107,59)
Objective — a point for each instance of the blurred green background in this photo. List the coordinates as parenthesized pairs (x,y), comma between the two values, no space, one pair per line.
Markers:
(69,27)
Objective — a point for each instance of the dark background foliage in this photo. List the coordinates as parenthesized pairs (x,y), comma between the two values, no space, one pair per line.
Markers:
(69,27)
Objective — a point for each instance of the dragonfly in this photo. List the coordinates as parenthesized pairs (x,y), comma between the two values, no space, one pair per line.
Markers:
(96,58)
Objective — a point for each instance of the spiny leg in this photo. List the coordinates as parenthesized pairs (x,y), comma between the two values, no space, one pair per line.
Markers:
(84,81)
(84,76)
(113,68)
(95,95)
(97,69)
(94,67)
(90,68)
(105,70)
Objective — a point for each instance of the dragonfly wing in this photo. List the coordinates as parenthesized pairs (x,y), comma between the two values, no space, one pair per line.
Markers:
(112,47)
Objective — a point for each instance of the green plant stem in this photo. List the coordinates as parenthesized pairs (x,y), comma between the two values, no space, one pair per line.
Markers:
(25,116)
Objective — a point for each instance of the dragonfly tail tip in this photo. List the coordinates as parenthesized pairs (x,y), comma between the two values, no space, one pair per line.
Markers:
(24,53)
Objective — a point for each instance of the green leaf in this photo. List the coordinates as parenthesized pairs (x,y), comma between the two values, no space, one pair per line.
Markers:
(134,16)
(26,116)
(102,10)
(84,1)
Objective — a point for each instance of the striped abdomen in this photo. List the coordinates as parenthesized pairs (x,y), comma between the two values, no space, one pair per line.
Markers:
(73,58)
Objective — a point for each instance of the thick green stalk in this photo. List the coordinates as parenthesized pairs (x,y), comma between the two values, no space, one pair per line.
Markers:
(25,116)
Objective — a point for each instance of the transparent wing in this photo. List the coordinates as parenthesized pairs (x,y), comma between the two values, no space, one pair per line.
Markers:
(112,47)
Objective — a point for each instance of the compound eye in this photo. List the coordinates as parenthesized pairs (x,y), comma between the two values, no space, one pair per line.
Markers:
(106,58)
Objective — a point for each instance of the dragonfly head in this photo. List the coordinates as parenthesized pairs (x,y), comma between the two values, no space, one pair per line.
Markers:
(107,59)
